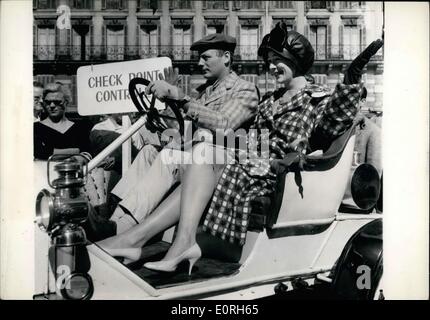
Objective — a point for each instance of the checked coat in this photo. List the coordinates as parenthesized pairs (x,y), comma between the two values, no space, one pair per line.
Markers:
(226,104)
(286,120)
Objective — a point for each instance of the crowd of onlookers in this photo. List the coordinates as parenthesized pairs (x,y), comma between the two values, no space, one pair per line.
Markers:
(54,133)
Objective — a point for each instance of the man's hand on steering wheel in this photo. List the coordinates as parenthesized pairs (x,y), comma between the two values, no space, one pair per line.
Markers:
(163,91)
(171,76)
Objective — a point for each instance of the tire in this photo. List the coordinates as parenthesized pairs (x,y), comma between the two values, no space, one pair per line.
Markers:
(359,268)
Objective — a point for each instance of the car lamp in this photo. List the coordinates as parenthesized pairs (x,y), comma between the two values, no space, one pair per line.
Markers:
(61,214)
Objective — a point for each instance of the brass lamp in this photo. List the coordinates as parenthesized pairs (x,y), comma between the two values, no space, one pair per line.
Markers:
(61,214)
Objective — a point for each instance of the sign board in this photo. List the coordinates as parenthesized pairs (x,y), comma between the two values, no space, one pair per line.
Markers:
(103,88)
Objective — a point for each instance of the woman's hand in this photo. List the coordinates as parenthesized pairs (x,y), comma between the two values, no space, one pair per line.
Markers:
(354,70)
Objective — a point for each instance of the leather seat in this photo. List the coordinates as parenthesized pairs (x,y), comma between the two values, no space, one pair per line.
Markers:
(307,201)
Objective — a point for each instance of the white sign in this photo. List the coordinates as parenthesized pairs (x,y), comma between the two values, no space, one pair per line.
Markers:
(103,88)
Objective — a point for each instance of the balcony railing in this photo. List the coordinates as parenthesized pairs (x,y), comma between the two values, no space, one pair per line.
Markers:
(177,53)
(352,4)
(173,52)
(71,52)
(45,4)
(148,4)
(210,5)
(180,4)
(114,4)
(282,4)
(82,4)
(318,4)
(246,53)
(342,52)
(237,5)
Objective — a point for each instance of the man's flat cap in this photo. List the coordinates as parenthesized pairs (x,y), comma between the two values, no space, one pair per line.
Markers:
(215,41)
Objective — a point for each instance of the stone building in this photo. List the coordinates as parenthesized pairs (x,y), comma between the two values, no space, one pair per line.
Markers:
(116,30)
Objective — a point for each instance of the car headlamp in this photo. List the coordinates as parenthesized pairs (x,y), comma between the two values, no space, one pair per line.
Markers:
(67,204)
(44,210)
(60,214)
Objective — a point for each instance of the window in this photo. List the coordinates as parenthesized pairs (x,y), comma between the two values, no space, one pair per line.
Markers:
(248,42)
(318,4)
(351,4)
(215,5)
(46,42)
(253,78)
(180,4)
(214,29)
(318,39)
(184,83)
(148,41)
(115,37)
(148,4)
(181,42)
(82,4)
(80,43)
(320,79)
(248,5)
(45,4)
(282,4)
(351,42)
(289,23)
(114,4)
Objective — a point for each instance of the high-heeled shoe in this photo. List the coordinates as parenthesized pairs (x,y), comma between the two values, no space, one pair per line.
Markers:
(192,255)
(129,254)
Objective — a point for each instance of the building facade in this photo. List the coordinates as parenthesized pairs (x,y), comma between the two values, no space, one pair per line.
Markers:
(104,31)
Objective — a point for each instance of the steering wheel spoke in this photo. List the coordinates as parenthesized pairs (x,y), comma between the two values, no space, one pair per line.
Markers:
(154,117)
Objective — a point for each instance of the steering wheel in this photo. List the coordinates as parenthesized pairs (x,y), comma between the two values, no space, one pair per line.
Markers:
(145,107)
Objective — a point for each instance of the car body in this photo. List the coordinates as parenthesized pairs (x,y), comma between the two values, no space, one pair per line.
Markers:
(303,242)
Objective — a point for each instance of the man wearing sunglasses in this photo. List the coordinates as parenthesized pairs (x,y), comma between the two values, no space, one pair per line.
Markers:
(56,132)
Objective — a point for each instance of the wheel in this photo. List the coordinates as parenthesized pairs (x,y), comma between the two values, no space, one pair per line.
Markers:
(358,271)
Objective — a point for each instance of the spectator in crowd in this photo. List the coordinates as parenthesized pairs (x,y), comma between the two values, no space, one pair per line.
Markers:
(56,132)
(38,101)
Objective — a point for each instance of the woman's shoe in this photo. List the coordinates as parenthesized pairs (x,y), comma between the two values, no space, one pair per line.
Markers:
(129,254)
(192,255)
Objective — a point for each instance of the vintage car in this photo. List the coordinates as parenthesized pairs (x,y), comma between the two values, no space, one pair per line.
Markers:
(300,237)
